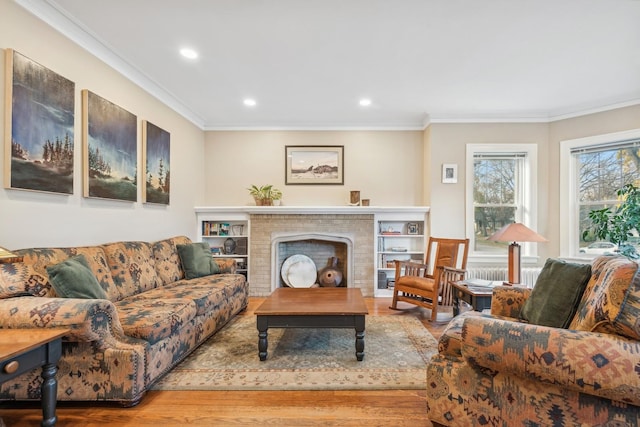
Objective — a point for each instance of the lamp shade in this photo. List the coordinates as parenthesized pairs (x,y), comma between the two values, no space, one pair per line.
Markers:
(516,232)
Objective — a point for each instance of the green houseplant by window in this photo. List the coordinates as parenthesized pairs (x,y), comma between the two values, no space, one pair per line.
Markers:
(620,224)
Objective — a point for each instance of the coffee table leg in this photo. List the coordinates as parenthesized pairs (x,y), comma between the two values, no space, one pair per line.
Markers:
(263,326)
(360,338)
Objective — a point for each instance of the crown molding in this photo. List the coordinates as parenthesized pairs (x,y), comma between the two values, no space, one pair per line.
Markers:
(504,118)
(595,110)
(315,127)
(50,13)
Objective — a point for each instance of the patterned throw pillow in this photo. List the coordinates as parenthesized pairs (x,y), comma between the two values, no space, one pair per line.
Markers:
(611,301)
(167,261)
(19,279)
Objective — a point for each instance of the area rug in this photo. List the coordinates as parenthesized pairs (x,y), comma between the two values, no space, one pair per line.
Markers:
(396,351)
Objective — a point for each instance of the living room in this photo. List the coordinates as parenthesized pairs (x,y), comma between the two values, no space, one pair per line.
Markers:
(392,165)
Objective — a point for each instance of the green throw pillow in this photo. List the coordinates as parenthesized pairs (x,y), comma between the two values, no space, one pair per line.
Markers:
(555,297)
(72,278)
(197,260)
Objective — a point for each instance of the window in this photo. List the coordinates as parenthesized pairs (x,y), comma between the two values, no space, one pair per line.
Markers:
(592,170)
(500,190)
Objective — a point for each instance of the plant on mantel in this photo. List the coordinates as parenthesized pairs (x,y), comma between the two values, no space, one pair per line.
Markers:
(265,194)
(619,225)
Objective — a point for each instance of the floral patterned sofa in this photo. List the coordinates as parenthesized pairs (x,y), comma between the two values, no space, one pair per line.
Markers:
(151,319)
(494,370)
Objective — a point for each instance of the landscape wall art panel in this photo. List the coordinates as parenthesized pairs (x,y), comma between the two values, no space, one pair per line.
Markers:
(110,149)
(314,164)
(156,159)
(38,127)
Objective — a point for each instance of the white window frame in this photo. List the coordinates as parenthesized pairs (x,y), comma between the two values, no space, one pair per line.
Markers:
(569,209)
(528,199)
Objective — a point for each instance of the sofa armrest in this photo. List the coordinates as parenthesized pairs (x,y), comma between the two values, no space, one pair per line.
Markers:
(226,265)
(87,319)
(507,301)
(593,363)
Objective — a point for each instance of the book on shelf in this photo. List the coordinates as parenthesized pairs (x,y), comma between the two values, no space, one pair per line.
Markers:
(213,229)
(390,233)
(223,229)
(209,228)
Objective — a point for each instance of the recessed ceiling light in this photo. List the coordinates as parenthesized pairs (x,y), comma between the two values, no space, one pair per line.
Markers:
(188,53)
(365,102)
(249,102)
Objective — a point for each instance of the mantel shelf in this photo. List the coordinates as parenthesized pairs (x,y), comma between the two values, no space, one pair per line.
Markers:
(312,210)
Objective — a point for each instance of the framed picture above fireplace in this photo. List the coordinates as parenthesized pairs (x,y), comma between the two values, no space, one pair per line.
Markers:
(314,164)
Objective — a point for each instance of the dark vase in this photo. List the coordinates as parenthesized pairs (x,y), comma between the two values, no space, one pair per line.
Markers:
(229,246)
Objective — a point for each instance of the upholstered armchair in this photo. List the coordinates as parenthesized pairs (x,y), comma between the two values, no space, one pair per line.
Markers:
(500,369)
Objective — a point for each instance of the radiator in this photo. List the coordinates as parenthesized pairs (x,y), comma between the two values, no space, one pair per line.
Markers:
(528,276)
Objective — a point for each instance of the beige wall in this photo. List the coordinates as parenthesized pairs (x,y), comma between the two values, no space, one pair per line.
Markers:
(401,168)
(385,166)
(447,144)
(46,219)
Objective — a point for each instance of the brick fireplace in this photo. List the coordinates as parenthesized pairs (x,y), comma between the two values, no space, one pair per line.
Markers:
(350,237)
(320,247)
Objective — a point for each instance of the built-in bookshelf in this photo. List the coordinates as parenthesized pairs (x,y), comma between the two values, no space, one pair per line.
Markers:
(399,236)
(228,237)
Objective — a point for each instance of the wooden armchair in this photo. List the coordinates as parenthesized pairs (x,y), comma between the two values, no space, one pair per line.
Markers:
(417,284)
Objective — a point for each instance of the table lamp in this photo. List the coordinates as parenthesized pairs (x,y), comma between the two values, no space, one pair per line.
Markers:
(515,232)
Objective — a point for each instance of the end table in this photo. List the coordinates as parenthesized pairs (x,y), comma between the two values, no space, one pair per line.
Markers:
(22,350)
(478,297)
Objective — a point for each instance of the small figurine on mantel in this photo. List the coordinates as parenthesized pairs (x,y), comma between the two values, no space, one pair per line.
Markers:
(330,276)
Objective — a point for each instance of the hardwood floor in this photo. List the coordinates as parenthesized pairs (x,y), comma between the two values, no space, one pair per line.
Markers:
(249,408)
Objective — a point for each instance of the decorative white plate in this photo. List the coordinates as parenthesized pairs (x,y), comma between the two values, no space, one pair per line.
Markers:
(299,271)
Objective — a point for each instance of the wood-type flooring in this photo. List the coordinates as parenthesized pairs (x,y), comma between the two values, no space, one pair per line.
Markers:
(252,408)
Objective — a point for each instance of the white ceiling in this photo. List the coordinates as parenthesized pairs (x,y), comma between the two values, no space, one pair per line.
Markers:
(308,62)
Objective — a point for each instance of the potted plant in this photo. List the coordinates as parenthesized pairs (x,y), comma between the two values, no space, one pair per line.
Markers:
(265,194)
(618,225)
(276,196)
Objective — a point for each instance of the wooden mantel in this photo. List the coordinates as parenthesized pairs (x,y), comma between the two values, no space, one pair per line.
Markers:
(312,210)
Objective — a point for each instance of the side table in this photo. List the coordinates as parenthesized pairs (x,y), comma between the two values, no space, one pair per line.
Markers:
(477,296)
(22,350)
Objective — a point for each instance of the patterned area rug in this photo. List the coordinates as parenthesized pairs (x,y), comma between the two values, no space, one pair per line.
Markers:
(396,351)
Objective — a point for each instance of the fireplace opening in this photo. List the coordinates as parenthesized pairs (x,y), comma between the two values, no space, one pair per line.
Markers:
(321,248)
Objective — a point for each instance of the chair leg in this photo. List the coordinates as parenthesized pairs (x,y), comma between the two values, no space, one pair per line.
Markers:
(394,302)
(434,310)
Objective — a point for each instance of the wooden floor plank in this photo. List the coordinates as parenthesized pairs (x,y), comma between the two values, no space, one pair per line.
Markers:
(253,408)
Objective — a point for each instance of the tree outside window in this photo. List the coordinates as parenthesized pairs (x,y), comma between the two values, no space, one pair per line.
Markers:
(494,196)
(602,171)
(501,189)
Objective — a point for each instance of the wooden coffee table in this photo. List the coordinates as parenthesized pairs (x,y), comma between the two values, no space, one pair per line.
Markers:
(312,308)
